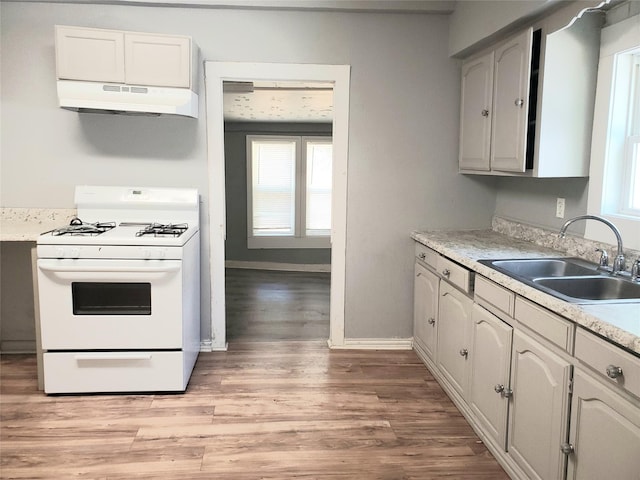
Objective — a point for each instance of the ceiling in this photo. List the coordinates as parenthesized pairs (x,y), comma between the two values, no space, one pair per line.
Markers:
(275,101)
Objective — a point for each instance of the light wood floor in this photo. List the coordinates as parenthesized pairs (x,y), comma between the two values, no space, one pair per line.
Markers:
(266,305)
(262,410)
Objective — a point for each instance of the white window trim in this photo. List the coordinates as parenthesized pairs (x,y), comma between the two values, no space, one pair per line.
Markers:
(620,37)
(300,239)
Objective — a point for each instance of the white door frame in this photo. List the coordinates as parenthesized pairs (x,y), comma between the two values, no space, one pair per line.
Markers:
(215,74)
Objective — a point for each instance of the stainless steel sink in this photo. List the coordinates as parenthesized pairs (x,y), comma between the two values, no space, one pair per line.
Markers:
(571,279)
(592,288)
(545,267)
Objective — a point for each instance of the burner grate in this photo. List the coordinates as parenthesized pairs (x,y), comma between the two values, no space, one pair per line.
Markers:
(163,230)
(80,228)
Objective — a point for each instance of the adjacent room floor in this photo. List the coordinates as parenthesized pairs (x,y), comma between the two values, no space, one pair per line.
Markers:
(264,305)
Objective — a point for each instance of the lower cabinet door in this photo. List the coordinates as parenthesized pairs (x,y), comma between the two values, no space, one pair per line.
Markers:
(538,417)
(454,315)
(425,312)
(489,382)
(605,433)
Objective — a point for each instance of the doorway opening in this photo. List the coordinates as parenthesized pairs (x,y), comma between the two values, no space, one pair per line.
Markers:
(242,75)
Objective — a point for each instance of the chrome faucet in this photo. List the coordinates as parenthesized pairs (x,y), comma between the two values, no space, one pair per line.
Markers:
(618,263)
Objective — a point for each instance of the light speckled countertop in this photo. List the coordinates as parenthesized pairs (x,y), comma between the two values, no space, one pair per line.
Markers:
(26,224)
(619,323)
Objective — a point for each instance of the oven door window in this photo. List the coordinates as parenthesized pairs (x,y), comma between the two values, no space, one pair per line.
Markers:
(102,298)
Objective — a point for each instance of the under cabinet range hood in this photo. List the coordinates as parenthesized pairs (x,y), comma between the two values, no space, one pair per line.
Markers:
(96,97)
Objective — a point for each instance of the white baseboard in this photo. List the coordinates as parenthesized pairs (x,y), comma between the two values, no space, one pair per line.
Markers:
(207,346)
(285,267)
(374,344)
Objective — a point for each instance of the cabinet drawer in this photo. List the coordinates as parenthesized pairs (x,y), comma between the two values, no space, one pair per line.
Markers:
(426,255)
(550,326)
(456,275)
(499,297)
(600,355)
(92,372)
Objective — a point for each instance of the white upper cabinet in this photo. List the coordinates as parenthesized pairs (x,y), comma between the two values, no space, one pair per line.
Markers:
(124,57)
(158,60)
(89,54)
(542,93)
(512,67)
(476,113)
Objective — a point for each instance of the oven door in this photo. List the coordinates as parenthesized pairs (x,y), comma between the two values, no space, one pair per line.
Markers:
(88,304)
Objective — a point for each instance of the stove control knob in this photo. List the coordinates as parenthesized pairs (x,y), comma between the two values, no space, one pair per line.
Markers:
(146,253)
(162,253)
(74,253)
(60,252)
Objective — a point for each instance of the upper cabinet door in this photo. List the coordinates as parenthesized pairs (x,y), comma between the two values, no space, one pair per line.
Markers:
(89,54)
(476,113)
(157,60)
(512,71)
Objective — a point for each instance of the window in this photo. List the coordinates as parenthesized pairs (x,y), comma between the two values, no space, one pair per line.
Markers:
(289,191)
(614,186)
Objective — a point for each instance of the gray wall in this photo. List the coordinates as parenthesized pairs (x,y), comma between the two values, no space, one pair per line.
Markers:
(235,153)
(533,200)
(403,131)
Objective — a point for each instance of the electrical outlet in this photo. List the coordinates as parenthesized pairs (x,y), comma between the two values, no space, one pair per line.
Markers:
(560,207)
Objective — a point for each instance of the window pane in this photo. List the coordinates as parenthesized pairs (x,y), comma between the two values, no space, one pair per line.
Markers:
(318,198)
(273,181)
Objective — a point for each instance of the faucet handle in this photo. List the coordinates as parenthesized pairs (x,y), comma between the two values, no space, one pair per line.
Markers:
(604,257)
(635,270)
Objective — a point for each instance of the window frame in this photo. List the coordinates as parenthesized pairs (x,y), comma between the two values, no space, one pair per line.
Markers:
(607,167)
(299,239)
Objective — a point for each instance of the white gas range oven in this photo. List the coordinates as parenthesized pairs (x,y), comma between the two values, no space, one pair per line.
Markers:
(119,292)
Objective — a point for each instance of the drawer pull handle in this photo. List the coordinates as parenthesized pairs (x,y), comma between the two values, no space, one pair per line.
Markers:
(613,371)
(567,448)
(431,321)
(504,392)
(464,352)
(446,272)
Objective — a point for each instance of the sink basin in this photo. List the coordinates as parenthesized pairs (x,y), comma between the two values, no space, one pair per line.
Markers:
(544,267)
(592,288)
(571,279)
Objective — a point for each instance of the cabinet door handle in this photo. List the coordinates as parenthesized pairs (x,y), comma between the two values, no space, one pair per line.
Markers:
(519,102)
(567,448)
(614,371)
(485,113)
(422,256)
(446,272)
(503,391)
(431,321)
(464,352)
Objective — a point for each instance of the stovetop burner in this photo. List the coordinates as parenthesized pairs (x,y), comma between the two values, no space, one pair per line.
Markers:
(163,230)
(78,227)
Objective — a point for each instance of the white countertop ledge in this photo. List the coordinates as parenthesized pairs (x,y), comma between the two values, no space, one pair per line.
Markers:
(620,323)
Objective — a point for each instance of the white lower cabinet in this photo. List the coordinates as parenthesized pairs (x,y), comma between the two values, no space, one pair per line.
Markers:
(604,442)
(454,329)
(538,417)
(425,313)
(489,380)
(508,364)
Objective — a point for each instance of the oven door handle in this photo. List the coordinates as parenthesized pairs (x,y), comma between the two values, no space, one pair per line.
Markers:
(94,269)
